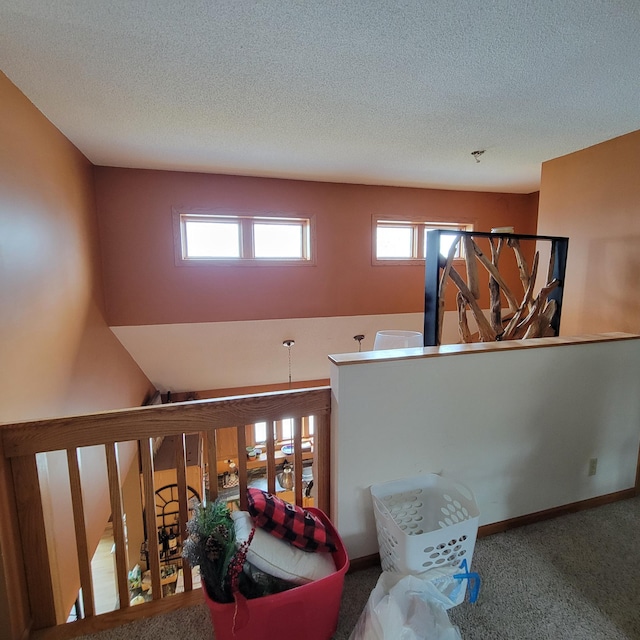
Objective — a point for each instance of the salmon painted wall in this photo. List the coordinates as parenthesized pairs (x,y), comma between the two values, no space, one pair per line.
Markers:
(144,287)
(58,356)
(593,197)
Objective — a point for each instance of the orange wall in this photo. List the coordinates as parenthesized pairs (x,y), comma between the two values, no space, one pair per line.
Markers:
(58,356)
(143,285)
(593,197)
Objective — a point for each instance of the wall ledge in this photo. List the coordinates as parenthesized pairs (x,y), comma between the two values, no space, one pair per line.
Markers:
(368,357)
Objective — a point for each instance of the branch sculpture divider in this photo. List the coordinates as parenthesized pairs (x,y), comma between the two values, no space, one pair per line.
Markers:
(530,316)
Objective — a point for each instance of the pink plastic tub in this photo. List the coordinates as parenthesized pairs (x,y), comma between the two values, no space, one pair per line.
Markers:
(309,611)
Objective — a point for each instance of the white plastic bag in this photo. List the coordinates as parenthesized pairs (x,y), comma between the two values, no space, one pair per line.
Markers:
(405,608)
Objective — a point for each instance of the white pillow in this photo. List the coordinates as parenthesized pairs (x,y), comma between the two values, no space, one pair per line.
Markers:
(278,557)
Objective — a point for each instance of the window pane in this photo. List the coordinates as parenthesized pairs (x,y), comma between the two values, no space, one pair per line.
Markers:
(445,244)
(212,239)
(446,241)
(312,424)
(277,240)
(260,431)
(287,429)
(394,242)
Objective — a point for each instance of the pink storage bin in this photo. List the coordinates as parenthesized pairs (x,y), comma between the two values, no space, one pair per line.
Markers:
(309,611)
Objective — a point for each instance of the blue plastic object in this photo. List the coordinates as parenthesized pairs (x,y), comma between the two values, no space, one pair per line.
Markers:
(472,577)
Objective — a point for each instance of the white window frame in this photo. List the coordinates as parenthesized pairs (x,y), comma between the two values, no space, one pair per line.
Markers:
(308,430)
(419,225)
(245,221)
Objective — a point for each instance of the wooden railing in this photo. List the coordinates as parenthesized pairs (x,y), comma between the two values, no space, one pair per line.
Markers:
(23,526)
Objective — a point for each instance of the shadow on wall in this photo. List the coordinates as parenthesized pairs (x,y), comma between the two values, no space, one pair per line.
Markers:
(611,298)
(567,435)
(560,459)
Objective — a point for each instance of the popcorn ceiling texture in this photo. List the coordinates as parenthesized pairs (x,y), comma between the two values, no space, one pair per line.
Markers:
(365,91)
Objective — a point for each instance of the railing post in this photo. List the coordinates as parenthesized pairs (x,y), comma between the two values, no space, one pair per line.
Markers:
(34,541)
(13,590)
(322,450)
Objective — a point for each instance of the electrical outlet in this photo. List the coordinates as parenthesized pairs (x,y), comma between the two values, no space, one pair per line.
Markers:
(593,466)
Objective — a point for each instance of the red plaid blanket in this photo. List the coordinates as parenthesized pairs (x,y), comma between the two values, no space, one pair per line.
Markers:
(290,522)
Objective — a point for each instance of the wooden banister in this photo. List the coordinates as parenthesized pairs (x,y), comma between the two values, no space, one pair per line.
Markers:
(20,443)
(28,438)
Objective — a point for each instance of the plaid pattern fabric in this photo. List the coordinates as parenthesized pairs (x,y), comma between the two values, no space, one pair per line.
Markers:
(289,522)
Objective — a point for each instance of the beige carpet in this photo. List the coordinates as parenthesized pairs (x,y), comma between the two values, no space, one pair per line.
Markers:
(571,578)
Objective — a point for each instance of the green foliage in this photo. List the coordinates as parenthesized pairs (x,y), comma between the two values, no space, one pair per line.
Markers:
(212,546)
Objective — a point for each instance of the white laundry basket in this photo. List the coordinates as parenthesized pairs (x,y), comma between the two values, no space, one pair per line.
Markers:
(426,525)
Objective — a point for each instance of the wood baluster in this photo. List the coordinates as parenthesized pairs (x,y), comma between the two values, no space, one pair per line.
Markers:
(115,495)
(242,464)
(84,560)
(183,505)
(212,466)
(297,459)
(149,501)
(271,457)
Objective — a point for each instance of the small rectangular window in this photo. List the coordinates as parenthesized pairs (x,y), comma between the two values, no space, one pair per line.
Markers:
(278,240)
(403,241)
(242,239)
(211,239)
(260,431)
(283,432)
(446,239)
(395,241)
(287,429)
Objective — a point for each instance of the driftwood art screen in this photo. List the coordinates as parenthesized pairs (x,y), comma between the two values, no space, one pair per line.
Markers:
(529,308)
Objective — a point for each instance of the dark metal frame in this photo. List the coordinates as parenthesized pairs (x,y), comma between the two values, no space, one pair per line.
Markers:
(559,246)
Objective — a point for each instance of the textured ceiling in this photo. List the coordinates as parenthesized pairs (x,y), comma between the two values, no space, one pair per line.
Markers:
(388,92)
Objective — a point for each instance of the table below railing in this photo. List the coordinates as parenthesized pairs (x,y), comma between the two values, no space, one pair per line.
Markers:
(28,530)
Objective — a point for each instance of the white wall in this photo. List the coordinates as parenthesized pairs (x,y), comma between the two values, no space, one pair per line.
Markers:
(222,355)
(516,425)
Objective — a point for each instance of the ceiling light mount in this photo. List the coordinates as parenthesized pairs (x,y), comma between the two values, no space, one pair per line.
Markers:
(476,154)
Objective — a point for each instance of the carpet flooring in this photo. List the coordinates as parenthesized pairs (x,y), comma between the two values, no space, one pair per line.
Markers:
(576,577)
